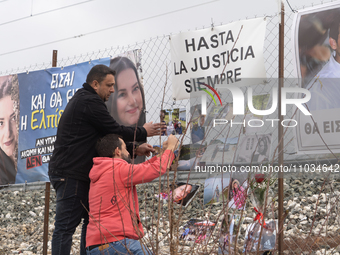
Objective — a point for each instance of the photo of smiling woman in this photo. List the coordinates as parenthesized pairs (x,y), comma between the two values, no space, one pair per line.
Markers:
(9,126)
(182,194)
(127,103)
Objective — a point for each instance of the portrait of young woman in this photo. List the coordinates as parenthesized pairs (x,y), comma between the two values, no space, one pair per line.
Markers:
(9,128)
(127,103)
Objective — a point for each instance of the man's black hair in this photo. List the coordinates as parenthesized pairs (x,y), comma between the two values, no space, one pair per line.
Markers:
(106,145)
(98,73)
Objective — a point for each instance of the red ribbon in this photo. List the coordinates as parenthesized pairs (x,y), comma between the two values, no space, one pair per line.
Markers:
(259,217)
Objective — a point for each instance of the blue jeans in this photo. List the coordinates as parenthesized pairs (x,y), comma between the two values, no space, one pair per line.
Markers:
(72,196)
(119,248)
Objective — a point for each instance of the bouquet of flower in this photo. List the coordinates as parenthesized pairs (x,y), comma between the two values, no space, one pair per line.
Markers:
(258,190)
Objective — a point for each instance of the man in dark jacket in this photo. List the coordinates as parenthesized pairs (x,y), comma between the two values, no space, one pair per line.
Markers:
(83,122)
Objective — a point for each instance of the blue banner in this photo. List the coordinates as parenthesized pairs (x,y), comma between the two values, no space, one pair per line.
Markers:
(43,97)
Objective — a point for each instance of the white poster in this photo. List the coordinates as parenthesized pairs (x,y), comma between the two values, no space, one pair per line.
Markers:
(317,58)
(224,54)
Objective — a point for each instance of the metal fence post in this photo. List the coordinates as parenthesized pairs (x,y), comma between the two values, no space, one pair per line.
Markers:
(48,185)
(280,130)
(46,216)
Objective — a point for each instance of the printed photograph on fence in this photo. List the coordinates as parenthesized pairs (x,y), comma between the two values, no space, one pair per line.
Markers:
(159,149)
(127,104)
(175,120)
(259,102)
(238,191)
(230,227)
(219,112)
(216,189)
(254,148)
(220,151)
(317,59)
(181,194)
(179,120)
(190,157)
(268,238)
(9,128)
(196,230)
(197,121)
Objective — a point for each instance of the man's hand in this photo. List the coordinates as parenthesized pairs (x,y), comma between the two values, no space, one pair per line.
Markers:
(165,145)
(171,143)
(144,149)
(154,129)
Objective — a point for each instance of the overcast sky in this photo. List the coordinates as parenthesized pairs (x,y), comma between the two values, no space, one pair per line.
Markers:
(31,29)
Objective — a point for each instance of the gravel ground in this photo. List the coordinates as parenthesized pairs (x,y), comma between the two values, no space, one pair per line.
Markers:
(312,204)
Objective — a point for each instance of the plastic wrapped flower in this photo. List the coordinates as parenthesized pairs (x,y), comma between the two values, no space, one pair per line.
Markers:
(258,187)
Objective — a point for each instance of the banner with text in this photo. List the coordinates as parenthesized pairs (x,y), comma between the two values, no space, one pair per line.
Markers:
(43,97)
(223,54)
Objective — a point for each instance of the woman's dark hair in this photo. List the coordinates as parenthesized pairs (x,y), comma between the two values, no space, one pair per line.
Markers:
(334,27)
(237,182)
(120,64)
(9,86)
(187,199)
(5,88)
